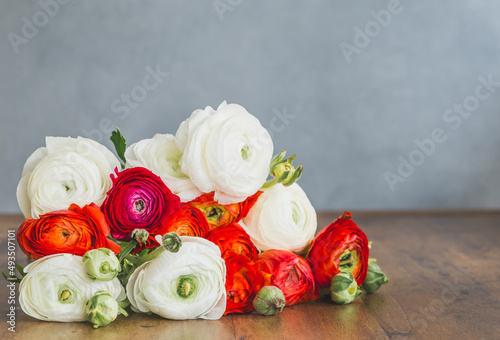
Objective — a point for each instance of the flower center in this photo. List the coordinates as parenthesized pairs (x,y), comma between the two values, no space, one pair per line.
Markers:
(104,269)
(214,214)
(139,205)
(347,261)
(244,153)
(185,286)
(292,278)
(296,214)
(66,295)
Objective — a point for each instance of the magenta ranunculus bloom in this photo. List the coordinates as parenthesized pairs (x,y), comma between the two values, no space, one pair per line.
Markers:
(138,200)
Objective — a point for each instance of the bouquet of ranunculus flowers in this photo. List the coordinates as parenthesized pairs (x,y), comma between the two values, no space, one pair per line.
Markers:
(198,224)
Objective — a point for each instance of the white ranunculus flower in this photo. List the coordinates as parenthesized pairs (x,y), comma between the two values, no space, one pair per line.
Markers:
(282,218)
(185,285)
(56,288)
(225,150)
(67,170)
(161,155)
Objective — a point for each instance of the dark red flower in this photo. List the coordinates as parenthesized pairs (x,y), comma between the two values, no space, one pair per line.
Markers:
(341,246)
(138,200)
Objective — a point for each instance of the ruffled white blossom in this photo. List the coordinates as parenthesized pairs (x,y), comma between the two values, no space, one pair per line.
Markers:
(282,218)
(188,284)
(225,150)
(161,155)
(56,288)
(67,170)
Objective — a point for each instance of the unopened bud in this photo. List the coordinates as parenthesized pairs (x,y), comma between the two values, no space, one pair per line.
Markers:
(344,288)
(375,278)
(269,301)
(172,242)
(283,171)
(102,309)
(140,235)
(101,264)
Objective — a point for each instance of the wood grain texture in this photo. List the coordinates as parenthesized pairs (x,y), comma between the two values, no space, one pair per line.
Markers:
(444,270)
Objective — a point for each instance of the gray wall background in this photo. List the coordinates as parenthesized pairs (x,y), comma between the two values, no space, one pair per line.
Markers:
(352,120)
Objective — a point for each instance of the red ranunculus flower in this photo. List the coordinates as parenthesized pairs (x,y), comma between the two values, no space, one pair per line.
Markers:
(341,246)
(219,215)
(138,200)
(290,273)
(188,221)
(72,231)
(243,282)
(233,239)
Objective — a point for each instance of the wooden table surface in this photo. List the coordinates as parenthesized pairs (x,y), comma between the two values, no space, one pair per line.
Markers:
(444,271)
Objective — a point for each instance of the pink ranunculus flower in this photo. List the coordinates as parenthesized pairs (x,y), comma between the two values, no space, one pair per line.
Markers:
(138,200)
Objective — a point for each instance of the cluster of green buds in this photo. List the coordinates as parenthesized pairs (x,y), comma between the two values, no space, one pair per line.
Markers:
(170,242)
(101,264)
(283,171)
(102,309)
(344,289)
(375,278)
(269,301)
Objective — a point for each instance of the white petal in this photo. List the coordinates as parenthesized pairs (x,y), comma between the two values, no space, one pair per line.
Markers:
(153,286)
(38,291)
(282,218)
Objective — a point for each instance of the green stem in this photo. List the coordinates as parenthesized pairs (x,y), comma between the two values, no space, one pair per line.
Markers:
(122,311)
(151,256)
(270,183)
(127,250)
(132,259)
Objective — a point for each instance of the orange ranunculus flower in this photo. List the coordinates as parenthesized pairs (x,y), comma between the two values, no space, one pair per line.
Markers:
(290,273)
(73,231)
(188,221)
(341,246)
(233,239)
(219,215)
(243,282)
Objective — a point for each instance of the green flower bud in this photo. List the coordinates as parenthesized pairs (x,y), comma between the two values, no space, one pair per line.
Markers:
(375,278)
(344,288)
(101,264)
(172,242)
(269,301)
(102,309)
(140,235)
(283,171)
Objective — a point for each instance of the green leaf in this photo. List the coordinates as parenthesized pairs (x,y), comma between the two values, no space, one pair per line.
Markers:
(10,278)
(127,249)
(20,269)
(120,144)
(277,159)
(143,253)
